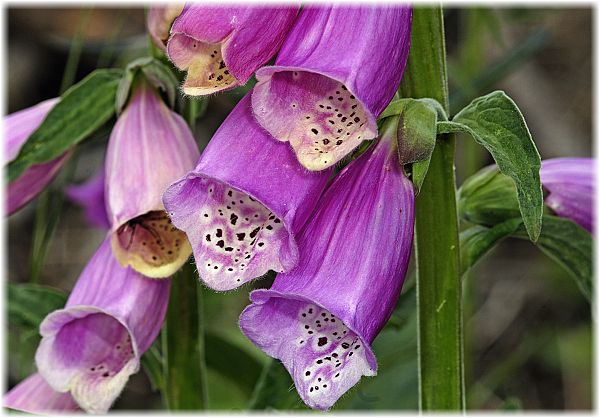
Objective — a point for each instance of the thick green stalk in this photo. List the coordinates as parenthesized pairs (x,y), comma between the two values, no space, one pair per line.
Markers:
(183,345)
(441,386)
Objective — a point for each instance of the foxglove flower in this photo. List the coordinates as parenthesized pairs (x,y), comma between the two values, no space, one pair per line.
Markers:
(221,47)
(321,318)
(33,395)
(17,129)
(150,147)
(159,21)
(337,70)
(90,195)
(571,184)
(92,346)
(244,202)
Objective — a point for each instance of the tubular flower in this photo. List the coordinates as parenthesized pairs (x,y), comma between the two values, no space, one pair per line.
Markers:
(159,21)
(570,182)
(17,128)
(90,195)
(33,395)
(336,72)
(221,47)
(92,346)
(149,147)
(243,204)
(321,318)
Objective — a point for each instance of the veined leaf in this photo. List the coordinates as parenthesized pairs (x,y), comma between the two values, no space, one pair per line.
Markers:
(82,109)
(495,122)
(28,304)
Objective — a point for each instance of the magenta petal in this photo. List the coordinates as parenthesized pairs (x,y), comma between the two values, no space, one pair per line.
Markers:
(321,318)
(90,195)
(337,70)
(571,184)
(33,395)
(221,47)
(159,21)
(243,204)
(92,346)
(150,147)
(17,129)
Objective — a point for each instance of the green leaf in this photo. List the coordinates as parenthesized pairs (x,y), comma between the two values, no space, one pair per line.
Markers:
(82,110)
(153,364)
(28,304)
(478,240)
(570,246)
(495,122)
(155,72)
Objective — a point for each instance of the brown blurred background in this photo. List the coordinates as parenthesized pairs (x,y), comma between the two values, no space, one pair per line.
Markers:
(528,329)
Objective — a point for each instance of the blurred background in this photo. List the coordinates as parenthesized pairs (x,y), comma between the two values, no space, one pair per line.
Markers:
(528,330)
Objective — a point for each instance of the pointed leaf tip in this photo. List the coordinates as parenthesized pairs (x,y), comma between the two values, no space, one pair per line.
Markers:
(495,122)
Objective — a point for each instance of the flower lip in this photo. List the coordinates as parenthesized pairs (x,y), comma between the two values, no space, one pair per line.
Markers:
(242,238)
(324,359)
(151,245)
(331,118)
(82,368)
(205,63)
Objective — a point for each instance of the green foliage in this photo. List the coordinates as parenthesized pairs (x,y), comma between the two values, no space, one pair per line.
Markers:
(488,198)
(28,305)
(478,240)
(155,72)
(415,122)
(495,122)
(83,109)
(571,247)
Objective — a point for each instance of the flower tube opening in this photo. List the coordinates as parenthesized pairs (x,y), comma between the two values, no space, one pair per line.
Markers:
(328,121)
(151,245)
(207,72)
(235,237)
(87,352)
(324,356)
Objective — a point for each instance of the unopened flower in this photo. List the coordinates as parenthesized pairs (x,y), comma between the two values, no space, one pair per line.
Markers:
(92,346)
(221,47)
(321,318)
(17,129)
(150,147)
(159,21)
(34,396)
(90,195)
(243,204)
(571,184)
(337,70)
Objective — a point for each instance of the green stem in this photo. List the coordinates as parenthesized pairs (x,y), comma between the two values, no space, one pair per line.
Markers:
(183,345)
(441,376)
(75,52)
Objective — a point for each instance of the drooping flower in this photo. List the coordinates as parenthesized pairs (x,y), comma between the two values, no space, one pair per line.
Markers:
(92,346)
(90,195)
(571,184)
(221,47)
(321,318)
(150,147)
(17,129)
(34,396)
(244,202)
(159,21)
(337,70)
